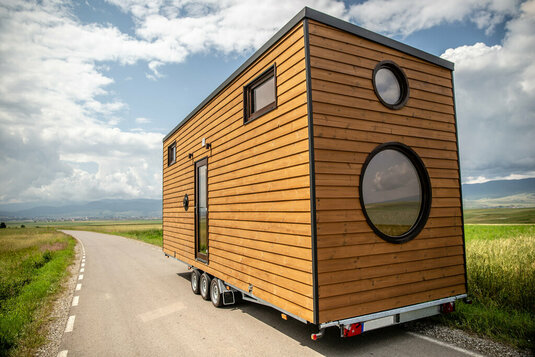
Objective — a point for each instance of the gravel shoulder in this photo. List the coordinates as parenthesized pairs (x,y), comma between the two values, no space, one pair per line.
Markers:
(60,309)
(462,339)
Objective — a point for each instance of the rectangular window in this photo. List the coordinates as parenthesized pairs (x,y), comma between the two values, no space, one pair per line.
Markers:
(260,95)
(171,154)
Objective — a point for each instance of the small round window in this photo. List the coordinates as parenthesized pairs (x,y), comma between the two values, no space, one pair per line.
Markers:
(390,85)
(395,192)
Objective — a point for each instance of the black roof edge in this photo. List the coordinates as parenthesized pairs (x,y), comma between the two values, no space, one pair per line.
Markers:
(315,15)
(375,37)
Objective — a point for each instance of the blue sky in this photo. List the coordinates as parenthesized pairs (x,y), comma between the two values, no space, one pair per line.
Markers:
(89,88)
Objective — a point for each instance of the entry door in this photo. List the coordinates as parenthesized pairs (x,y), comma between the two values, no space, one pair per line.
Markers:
(201,209)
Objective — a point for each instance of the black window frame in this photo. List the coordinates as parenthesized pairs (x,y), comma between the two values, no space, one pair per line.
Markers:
(248,114)
(169,148)
(402,80)
(425,182)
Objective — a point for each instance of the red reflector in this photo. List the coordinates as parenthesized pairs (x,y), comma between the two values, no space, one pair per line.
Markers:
(447,307)
(353,329)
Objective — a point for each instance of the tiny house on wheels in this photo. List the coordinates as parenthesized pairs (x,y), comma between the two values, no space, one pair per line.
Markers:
(322,179)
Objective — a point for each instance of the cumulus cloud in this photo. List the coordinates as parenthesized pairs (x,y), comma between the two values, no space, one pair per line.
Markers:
(60,137)
(495,93)
(403,17)
(228,26)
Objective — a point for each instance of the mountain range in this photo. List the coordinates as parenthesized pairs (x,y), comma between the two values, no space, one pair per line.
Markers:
(109,208)
(492,194)
(500,193)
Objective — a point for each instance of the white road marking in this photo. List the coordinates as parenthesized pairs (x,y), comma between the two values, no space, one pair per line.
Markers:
(70,324)
(78,286)
(63,353)
(81,277)
(75,301)
(83,265)
(444,344)
(82,270)
(161,312)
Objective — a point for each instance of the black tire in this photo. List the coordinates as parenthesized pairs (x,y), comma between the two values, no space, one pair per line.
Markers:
(195,277)
(204,286)
(215,294)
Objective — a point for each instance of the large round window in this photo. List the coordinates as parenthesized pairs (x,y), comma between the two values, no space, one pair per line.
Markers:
(390,85)
(395,192)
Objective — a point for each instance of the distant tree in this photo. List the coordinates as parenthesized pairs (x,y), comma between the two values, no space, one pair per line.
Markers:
(22,226)
(3,225)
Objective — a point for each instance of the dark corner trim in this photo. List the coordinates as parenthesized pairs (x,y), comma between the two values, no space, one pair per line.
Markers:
(313,228)
(460,180)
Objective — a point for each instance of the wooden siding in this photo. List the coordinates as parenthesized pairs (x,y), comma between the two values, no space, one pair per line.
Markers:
(358,272)
(258,185)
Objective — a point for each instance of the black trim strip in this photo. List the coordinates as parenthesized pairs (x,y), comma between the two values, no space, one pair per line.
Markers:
(311,165)
(308,13)
(460,180)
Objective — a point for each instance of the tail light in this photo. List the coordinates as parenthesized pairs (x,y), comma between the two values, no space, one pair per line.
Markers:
(447,307)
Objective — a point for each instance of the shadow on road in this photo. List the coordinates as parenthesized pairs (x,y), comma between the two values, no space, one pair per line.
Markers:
(331,341)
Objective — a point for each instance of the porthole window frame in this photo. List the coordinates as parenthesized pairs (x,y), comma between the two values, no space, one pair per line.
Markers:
(426,192)
(402,80)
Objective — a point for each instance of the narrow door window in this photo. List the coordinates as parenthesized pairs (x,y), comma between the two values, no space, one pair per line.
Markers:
(201,209)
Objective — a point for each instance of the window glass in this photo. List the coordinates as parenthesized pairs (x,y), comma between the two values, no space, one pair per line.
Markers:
(202,210)
(390,85)
(391,192)
(171,154)
(387,86)
(260,95)
(264,94)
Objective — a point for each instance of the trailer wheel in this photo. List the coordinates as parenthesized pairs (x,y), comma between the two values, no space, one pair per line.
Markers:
(215,294)
(195,277)
(205,286)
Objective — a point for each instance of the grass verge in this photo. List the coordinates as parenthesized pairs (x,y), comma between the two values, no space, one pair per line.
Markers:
(33,263)
(501,281)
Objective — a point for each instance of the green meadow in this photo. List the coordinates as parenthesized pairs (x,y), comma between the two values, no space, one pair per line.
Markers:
(500,261)
(33,265)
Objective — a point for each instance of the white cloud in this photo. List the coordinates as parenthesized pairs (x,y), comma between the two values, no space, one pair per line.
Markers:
(482,179)
(56,113)
(495,93)
(403,17)
(142,120)
(59,137)
(57,116)
(226,25)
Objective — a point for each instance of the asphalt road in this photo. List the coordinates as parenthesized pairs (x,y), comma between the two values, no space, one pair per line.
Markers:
(133,301)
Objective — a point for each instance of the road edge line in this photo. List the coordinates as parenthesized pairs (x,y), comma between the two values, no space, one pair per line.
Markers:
(444,344)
